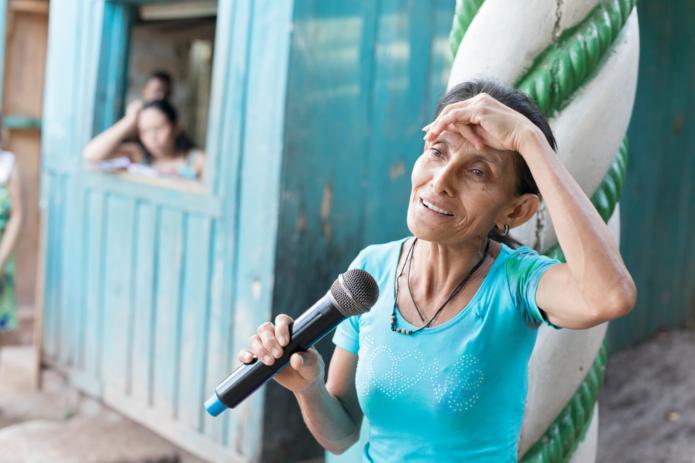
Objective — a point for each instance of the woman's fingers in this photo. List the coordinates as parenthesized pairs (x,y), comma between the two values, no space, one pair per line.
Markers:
(454,116)
(245,356)
(282,329)
(468,132)
(305,363)
(267,334)
(260,351)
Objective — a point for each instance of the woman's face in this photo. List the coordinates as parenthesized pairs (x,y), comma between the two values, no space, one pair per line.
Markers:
(459,193)
(156,133)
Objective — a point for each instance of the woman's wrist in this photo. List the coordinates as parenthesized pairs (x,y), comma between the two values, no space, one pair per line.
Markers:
(313,389)
(534,144)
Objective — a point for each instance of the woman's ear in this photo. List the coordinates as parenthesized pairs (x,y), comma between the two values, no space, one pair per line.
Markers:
(522,209)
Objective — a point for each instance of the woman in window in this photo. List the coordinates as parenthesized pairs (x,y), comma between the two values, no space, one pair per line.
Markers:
(11,218)
(161,143)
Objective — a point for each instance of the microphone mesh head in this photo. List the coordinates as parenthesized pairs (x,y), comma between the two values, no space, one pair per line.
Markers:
(354,292)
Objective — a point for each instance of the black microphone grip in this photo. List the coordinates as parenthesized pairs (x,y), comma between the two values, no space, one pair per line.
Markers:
(305,331)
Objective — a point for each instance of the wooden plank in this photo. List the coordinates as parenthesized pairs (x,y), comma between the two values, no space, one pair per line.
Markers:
(38,7)
(167,321)
(142,354)
(3,27)
(184,196)
(117,264)
(657,207)
(113,65)
(400,93)
(55,288)
(71,271)
(94,244)
(195,322)
(263,147)
(39,309)
(182,10)
(225,132)
(220,327)
(49,281)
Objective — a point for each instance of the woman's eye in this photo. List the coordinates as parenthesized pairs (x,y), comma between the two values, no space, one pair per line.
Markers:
(435,152)
(478,172)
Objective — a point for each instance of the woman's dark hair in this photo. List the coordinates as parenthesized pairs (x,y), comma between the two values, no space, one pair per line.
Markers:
(521,104)
(183,143)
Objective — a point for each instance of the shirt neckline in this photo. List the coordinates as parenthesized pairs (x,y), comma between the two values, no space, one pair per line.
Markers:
(402,322)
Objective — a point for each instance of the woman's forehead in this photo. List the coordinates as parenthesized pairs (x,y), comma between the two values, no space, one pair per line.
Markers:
(457,144)
(152,116)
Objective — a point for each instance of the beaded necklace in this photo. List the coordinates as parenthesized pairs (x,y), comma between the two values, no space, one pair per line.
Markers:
(459,287)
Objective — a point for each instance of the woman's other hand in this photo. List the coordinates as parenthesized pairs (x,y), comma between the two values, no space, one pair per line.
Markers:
(484,121)
(267,345)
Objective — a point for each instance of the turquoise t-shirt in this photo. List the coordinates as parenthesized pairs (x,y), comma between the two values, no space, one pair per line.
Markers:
(454,392)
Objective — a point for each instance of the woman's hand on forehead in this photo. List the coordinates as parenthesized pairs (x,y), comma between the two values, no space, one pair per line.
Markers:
(455,140)
(484,121)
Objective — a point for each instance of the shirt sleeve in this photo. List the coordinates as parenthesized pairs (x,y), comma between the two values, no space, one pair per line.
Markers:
(347,334)
(524,270)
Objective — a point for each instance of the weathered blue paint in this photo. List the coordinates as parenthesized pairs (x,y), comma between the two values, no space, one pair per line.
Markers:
(113,65)
(658,200)
(314,123)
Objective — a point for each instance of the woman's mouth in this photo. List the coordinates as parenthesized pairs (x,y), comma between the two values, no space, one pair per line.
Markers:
(436,209)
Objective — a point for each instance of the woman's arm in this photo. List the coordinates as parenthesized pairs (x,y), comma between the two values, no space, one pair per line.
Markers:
(330,410)
(593,286)
(14,224)
(109,143)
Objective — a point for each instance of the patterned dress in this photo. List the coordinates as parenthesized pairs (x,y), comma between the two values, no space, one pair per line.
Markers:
(8,305)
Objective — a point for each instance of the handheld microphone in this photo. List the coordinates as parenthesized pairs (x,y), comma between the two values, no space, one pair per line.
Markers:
(353,293)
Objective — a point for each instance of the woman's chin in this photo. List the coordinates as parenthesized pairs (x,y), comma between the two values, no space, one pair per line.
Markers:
(428,231)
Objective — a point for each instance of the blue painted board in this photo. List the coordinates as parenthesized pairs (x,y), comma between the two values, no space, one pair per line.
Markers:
(167,324)
(146,255)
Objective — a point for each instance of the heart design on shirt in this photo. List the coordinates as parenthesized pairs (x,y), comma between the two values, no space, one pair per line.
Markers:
(392,373)
(459,387)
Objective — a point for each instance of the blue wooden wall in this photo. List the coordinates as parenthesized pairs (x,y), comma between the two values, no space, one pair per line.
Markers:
(364,79)
(658,202)
(150,290)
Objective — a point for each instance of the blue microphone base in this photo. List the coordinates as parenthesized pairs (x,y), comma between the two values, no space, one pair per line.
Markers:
(214,406)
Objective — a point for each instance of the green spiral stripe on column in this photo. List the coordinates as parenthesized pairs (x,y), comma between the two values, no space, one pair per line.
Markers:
(572,60)
(463,16)
(560,440)
(606,195)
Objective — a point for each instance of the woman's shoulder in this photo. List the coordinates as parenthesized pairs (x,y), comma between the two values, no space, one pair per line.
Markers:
(524,260)
(379,252)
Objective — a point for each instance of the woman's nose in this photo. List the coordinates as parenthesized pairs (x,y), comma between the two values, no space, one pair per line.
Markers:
(443,181)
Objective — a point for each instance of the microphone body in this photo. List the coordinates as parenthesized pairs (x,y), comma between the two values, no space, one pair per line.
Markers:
(353,293)
(306,330)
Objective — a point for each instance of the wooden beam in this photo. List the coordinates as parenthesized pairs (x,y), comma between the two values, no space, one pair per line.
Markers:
(29,6)
(186,10)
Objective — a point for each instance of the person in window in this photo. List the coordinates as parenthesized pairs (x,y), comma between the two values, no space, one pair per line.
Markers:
(159,86)
(162,147)
(439,365)
(11,218)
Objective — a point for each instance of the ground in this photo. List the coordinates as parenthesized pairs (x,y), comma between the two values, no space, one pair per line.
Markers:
(60,425)
(647,405)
